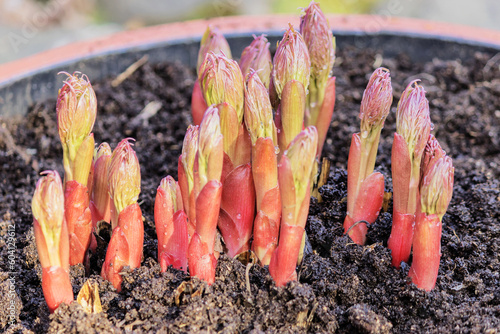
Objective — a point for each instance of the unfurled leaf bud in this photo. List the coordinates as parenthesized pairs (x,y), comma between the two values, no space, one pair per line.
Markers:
(124,176)
(413,120)
(377,100)
(48,209)
(257,56)
(76,111)
(437,187)
(318,37)
(302,152)
(291,61)
(210,147)
(221,81)
(189,149)
(213,41)
(258,110)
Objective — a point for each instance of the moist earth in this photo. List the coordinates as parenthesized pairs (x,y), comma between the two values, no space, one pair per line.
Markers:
(341,286)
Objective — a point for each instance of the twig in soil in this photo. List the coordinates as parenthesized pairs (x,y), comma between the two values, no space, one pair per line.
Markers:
(356,223)
(247,276)
(455,233)
(130,326)
(385,201)
(378,61)
(424,76)
(492,61)
(7,138)
(149,111)
(129,71)
(311,314)
(322,179)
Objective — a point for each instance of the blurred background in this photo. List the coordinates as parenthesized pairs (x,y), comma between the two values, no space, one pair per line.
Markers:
(31,26)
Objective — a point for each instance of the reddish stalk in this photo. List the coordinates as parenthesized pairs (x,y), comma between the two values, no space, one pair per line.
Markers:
(171,226)
(259,121)
(76,113)
(290,81)
(294,173)
(365,188)
(413,129)
(100,200)
(436,191)
(207,174)
(320,42)
(185,170)
(125,246)
(52,243)
(222,84)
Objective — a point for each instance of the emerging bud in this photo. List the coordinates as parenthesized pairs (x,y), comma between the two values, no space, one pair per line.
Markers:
(124,177)
(171,225)
(301,153)
(413,120)
(173,192)
(213,41)
(291,61)
(437,187)
(100,194)
(319,39)
(290,115)
(229,127)
(377,100)
(365,189)
(258,110)
(52,241)
(257,56)
(294,173)
(76,111)
(432,152)
(221,81)
(48,210)
(210,150)
(103,150)
(435,194)
(189,149)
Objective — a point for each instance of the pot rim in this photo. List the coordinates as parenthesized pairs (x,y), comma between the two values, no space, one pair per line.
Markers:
(242,25)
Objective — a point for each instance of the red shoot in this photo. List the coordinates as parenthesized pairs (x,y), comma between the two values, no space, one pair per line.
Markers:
(436,190)
(51,236)
(125,246)
(365,189)
(171,226)
(413,129)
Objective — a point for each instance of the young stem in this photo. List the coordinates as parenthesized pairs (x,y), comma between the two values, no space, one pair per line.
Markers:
(413,197)
(369,148)
(314,102)
(426,251)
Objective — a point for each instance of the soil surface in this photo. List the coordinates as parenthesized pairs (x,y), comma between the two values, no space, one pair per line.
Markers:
(342,287)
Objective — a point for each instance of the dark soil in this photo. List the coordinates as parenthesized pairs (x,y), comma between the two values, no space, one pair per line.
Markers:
(342,287)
